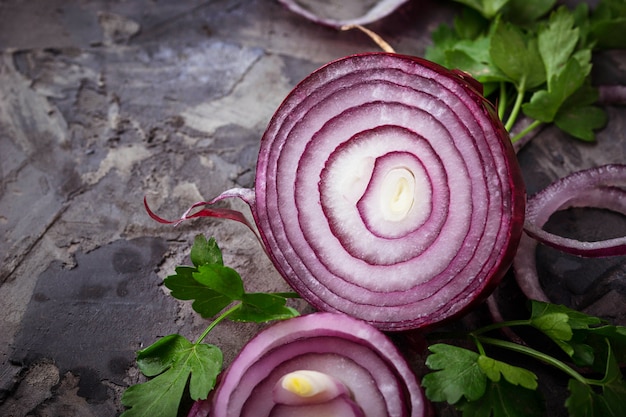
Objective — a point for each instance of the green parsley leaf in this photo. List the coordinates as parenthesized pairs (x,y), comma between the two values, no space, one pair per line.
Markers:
(557,42)
(513,374)
(488,8)
(581,122)
(517,56)
(207,302)
(444,38)
(457,374)
(221,279)
(503,399)
(175,361)
(205,252)
(469,24)
(261,307)
(524,12)
(576,319)
(545,104)
(607,21)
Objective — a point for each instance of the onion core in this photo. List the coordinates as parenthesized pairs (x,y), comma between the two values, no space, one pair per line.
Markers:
(348,365)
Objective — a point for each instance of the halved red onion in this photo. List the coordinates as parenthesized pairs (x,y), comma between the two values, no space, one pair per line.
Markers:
(375,378)
(342,13)
(387,189)
(601,187)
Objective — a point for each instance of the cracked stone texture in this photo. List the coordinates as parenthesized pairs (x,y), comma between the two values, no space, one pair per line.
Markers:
(103,102)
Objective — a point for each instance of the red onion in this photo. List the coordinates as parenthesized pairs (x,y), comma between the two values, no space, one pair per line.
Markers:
(344,12)
(600,187)
(367,375)
(387,189)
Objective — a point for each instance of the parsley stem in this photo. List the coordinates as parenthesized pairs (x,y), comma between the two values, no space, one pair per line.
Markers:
(516,107)
(502,102)
(216,321)
(496,326)
(535,354)
(525,131)
(287,294)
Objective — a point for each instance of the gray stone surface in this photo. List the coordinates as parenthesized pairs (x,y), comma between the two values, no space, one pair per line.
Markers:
(103,102)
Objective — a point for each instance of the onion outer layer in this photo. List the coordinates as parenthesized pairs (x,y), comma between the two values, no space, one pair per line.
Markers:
(320,159)
(369,361)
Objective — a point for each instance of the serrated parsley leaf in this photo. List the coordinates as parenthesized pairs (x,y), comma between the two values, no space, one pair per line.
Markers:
(205,252)
(557,42)
(221,279)
(261,308)
(503,399)
(184,286)
(513,374)
(517,56)
(457,374)
(524,12)
(545,104)
(488,8)
(175,361)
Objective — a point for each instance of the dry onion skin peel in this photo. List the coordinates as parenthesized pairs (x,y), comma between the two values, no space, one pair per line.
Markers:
(601,187)
(317,364)
(386,189)
(353,12)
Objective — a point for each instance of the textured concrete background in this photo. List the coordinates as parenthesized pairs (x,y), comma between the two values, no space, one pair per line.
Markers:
(103,102)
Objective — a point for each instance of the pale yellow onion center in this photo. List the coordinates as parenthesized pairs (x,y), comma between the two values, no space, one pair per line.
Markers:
(397,194)
(306,383)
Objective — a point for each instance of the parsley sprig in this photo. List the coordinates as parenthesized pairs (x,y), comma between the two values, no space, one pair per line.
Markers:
(479,385)
(533,58)
(173,362)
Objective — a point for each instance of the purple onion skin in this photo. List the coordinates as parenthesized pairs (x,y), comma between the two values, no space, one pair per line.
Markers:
(307,341)
(382,9)
(515,201)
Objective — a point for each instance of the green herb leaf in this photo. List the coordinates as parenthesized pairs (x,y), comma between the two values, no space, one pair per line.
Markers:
(581,122)
(221,279)
(525,12)
(488,8)
(517,56)
(457,374)
(261,307)
(173,359)
(545,104)
(513,374)
(205,252)
(503,399)
(608,20)
(557,42)
(184,286)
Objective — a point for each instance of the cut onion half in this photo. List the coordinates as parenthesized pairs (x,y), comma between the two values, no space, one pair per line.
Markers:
(343,13)
(601,187)
(374,378)
(386,189)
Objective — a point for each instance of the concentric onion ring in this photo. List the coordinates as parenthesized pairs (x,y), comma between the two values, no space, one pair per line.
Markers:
(600,187)
(375,375)
(388,190)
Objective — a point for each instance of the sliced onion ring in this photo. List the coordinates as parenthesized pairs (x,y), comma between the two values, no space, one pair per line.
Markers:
(377,376)
(601,187)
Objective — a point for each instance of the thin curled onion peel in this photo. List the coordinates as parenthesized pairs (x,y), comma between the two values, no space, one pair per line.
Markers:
(378,379)
(386,189)
(344,13)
